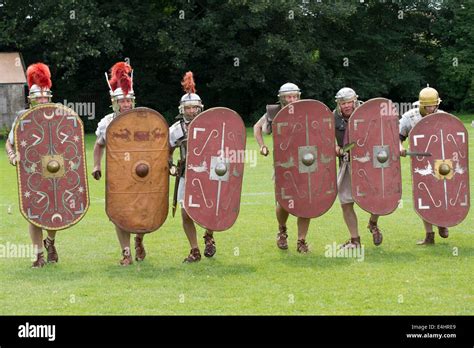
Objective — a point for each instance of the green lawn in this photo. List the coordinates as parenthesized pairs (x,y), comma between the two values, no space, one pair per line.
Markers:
(248,275)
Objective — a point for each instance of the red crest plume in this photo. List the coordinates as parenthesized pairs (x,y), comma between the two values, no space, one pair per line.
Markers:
(188,83)
(39,74)
(120,78)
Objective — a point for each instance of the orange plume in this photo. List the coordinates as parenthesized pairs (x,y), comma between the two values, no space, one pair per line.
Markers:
(188,83)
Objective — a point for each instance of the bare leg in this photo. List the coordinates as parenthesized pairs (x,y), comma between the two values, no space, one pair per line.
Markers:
(49,244)
(189,229)
(124,240)
(140,251)
(429,238)
(282,218)
(282,215)
(36,235)
(374,229)
(374,218)
(210,244)
(123,237)
(428,226)
(303,226)
(350,218)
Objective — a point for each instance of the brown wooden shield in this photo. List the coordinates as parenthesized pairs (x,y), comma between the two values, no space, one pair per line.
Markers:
(52,174)
(137,175)
(304,158)
(375,158)
(441,181)
(215,168)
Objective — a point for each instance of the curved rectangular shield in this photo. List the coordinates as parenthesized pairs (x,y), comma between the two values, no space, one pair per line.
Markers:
(52,173)
(215,168)
(304,158)
(137,175)
(440,181)
(375,159)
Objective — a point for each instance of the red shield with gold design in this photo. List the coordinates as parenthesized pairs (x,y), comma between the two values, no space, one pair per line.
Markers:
(304,158)
(375,158)
(52,178)
(215,168)
(137,175)
(440,181)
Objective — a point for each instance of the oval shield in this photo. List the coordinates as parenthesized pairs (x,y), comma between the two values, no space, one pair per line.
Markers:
(137,175)
(304,158)
(215,168)
(440,181)
(375,158)
(52,179)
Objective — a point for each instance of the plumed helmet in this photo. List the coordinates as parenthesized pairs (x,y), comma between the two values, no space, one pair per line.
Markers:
(120,84)
(190,98)
(39,81)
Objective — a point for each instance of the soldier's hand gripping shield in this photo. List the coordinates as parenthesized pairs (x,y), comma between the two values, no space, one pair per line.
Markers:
(137,178)
(214,168)
(375,158)
(304,158)
(52,179)
(440,181)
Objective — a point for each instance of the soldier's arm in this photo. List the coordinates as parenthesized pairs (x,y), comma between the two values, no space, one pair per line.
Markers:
(10,147)
(98,154)
(403,135)
(257,132)
(403,152)
(10,152)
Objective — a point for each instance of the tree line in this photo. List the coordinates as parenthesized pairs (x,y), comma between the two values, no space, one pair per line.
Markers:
(242,51)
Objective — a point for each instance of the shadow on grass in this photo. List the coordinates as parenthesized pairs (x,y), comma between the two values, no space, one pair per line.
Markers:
(378,255)
(50,272)
(204,268)
(318,258)
(315,259)
(446,250)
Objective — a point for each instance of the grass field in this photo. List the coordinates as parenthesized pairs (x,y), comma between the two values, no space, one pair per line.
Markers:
(248,275)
